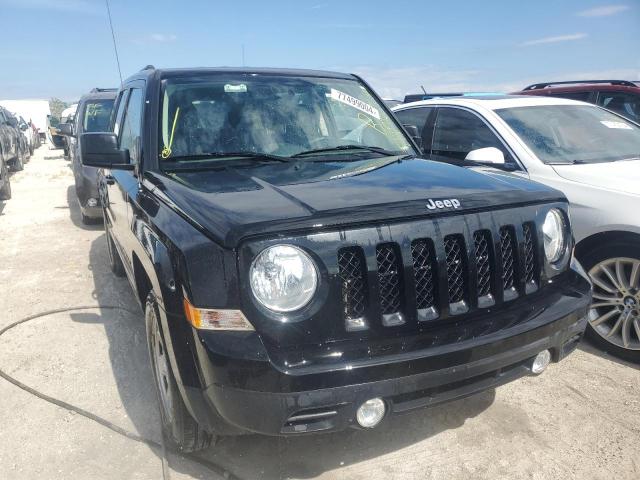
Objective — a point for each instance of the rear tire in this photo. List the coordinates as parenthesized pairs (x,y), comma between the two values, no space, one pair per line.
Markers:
(5,191)
(607,335)
(18,163)
(180,431)
(115,262)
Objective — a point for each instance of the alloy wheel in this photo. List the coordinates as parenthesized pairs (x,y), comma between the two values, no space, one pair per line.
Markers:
(615,311)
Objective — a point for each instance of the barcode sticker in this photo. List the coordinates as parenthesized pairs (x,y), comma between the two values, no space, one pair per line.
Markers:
(355,103)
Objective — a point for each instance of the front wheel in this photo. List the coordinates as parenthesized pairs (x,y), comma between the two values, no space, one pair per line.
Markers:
(180,430)
(115,262)
(614,316)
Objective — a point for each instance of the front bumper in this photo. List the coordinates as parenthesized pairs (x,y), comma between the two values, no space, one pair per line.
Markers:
(245,394)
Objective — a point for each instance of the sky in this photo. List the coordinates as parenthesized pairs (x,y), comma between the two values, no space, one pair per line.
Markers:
(63,48)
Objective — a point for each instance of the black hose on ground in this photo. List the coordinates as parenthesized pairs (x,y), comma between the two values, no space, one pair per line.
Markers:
(213,467)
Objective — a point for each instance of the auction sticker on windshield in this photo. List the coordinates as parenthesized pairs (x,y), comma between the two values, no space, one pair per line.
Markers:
(355,103)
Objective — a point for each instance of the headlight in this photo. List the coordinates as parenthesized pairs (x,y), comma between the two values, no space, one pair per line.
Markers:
(554,236)
(283,278)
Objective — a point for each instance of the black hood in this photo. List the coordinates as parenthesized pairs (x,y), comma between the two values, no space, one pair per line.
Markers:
(235,202)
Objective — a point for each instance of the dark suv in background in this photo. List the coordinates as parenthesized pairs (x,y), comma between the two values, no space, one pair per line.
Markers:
(11,143)
(93,115)
(619,96)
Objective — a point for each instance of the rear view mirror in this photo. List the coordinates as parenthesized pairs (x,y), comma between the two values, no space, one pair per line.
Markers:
(413,132)
(66,129)
(489,155)
(101,150)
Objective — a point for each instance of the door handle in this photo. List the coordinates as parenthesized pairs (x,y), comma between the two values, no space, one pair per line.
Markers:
(109,179)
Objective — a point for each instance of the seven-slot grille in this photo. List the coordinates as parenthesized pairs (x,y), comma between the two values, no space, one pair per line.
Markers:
(498,267)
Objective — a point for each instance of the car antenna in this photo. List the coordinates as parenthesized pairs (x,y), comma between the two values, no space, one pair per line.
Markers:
(113,36)
(424,91)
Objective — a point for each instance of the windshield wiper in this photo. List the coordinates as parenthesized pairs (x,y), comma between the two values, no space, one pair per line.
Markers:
(222,155)
(339,148)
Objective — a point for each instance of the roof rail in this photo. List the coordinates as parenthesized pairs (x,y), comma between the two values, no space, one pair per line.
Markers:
(98,90)
(621,83)
(147,67)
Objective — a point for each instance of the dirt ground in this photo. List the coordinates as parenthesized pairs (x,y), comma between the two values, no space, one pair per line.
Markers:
(579,420)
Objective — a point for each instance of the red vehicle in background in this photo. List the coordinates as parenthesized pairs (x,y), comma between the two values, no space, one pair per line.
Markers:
(619,96)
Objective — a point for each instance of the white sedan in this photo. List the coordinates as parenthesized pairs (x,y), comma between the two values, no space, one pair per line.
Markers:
(587,152)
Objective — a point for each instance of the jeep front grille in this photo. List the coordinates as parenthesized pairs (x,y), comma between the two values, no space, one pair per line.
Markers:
(423,267)
(530,265)
(424,280)
(456,272)
(508,251)
(351,269)
(389,284)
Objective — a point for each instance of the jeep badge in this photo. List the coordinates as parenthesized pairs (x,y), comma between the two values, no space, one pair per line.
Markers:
(453,202)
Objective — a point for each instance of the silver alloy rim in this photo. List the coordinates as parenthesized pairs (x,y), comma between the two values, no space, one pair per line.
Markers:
(163,379)
(615,311)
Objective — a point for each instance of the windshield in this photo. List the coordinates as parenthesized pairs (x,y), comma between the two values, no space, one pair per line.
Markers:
(97,114)
(273,115)
(574,133)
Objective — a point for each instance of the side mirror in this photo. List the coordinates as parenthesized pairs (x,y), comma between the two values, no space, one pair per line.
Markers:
(413,132)
(101,150)
(66,129)
(490,155)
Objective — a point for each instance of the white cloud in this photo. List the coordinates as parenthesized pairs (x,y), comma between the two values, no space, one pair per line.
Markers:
(163,37)
(77,6)
(396,82)
(319,5)
(555,39)
(603,11)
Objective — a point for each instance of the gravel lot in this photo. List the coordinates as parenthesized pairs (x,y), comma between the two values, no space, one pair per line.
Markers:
(579,420)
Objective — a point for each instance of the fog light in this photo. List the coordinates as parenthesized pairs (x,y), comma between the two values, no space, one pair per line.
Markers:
(92,202)
(370,413)
(541,362)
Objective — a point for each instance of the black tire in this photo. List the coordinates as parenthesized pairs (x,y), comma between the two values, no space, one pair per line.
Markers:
(115,262)
(87,220)
(5,191)
(179,429)
(18,163)
(593,258)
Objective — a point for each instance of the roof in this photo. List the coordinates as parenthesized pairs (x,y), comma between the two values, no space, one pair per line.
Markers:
(493,102)
(183,72)
(99,94)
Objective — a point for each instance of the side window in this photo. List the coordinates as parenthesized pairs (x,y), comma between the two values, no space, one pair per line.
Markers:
(417,117)
(132,123)
(457,132)
(625,104)
(118,114)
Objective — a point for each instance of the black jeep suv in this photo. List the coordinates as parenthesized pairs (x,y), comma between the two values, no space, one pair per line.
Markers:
(92,115)
(302,269)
